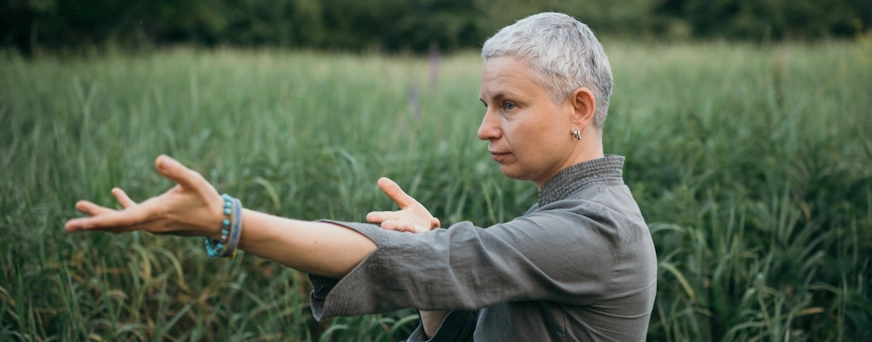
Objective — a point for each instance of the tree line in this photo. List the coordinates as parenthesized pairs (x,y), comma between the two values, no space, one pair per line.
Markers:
(405,25)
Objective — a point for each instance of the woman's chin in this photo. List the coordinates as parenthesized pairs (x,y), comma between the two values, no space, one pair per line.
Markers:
(512,173)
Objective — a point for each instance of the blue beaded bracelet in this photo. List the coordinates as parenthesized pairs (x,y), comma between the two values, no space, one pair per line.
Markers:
(231,229)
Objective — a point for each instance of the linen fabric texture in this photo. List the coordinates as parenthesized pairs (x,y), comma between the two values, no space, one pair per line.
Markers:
(580,265)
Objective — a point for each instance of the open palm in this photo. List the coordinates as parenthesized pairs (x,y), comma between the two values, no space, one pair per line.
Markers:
(412,216)
(192,207)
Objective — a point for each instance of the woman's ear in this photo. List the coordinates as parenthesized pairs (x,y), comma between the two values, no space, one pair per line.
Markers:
(584,106)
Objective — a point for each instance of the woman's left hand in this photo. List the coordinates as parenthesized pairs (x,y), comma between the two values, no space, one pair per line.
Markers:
(192,208)
(412,216)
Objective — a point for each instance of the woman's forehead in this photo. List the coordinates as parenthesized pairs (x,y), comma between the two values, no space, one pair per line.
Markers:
(505,77)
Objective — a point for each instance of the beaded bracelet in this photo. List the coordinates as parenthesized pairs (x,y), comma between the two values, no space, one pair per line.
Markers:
(230,230)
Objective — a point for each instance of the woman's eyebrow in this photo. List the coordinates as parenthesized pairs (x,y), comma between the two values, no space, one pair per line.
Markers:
(497,96)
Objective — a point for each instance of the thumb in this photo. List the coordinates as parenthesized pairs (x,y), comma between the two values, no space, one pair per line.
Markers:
(434,223)
(176,172)
(396,193)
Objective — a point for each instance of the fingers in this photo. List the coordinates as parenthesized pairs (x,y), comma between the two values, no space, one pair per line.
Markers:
(77,224)
(398,226)
(89,208)
(92,209)
(142,216)
(396,194)
(82,224)
(122,198)
(111,220)
(176,172)
(381,216)
(434,223)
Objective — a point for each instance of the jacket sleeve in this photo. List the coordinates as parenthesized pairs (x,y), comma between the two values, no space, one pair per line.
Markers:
(562,254)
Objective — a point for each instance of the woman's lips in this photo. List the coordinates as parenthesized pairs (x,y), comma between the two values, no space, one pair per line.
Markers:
(498,156)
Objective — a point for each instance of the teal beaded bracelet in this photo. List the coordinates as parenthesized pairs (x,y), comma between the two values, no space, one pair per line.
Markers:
(231,229)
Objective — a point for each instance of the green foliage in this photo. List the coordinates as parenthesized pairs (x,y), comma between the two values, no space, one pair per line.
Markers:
(753,167)
(402,25)
(771,19)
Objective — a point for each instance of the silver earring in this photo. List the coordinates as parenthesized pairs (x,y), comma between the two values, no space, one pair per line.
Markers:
(576,134)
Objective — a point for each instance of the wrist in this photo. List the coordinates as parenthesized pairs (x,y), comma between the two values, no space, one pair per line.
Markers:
(225,244)
(216,216)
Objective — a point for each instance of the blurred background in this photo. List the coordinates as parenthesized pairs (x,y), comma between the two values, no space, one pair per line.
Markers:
(746,128)
(406,25)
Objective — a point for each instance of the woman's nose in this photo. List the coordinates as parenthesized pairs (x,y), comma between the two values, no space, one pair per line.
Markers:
(489,128)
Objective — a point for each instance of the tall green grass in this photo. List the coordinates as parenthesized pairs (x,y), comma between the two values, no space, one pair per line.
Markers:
(753,167)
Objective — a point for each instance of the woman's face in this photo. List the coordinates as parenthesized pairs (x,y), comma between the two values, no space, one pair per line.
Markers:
(527,133)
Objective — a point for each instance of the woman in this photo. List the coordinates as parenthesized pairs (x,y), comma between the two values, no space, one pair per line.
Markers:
(579,265)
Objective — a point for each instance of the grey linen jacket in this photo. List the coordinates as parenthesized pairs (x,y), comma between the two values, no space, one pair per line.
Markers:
(578,266)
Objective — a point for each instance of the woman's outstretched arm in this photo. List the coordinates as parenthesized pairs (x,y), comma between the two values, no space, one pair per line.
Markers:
(318,248)
(194,208)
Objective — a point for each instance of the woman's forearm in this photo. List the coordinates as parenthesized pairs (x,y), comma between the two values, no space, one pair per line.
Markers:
(318,248)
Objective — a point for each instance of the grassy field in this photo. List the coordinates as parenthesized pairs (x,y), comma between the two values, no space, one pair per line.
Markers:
(752,165)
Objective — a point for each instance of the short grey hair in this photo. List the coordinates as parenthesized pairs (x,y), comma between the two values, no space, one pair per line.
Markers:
(564,55)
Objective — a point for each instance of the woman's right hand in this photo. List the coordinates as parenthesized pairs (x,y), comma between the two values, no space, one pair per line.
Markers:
(192,208)
(412,216)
